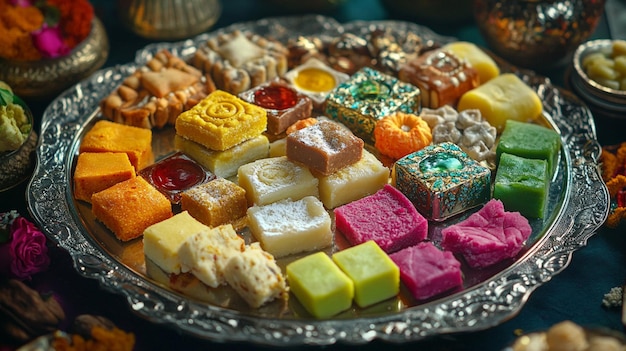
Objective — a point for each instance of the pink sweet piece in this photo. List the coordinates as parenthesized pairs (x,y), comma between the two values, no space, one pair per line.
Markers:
(487,236)
(427,271)
(387,217)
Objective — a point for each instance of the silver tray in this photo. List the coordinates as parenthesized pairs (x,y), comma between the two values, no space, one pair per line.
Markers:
(578,203)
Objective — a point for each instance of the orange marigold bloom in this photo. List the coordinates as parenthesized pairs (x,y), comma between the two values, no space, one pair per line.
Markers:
(400,134)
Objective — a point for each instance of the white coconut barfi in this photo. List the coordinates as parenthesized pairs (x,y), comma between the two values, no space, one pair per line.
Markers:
(207,253)
(256,276)
(288,227)
(274,179)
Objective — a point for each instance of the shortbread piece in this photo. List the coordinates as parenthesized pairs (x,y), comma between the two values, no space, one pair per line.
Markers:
(288,227)
(375,276)
(96,171)
(238,61)
(162,240)
(221,121)
(353,182)
(107,136)
(129,207)
(154,95)
(215,203)
(225,163)
(272,179)
(320,286)
(206,253)
(255,276)
(325,147)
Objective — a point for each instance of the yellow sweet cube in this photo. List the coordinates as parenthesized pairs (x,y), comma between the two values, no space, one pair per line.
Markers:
(487,68)
(502,98)
(162,240)
(221,121)
(375,276)
(320,286)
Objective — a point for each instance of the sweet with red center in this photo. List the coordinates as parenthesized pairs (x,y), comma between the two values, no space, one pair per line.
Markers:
(275,97)
(176,174)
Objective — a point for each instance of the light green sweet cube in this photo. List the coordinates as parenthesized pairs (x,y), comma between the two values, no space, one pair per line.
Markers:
(375,276)
(522,184)
(320,286)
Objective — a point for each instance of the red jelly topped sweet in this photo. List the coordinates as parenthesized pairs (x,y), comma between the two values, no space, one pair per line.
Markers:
(275,97)
(175,174)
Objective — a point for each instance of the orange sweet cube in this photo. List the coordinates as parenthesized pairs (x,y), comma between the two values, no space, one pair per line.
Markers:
(129,207)
(96,171)
(107,136)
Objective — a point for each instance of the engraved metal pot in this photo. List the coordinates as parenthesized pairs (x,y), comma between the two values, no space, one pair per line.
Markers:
(47,77)
(169,19)
(536,34)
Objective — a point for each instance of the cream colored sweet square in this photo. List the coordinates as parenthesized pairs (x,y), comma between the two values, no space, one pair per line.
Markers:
(255,275)
(353,182)
(273,179)
(161,241)
(206,253)
(224,163)
(288,227)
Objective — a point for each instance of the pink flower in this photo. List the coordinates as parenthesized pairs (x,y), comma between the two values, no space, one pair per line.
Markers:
(21,3)
(26,253)
(49,42)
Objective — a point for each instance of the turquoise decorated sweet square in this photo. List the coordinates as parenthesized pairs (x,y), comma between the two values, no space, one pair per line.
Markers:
(442,181)
(368,96)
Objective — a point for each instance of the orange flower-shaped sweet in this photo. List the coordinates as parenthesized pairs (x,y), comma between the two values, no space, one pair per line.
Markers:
(303,123)
(400,134)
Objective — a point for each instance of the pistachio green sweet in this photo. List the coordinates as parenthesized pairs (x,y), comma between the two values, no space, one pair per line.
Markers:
(375,276)
(320,286)
(522,184)
(530,140)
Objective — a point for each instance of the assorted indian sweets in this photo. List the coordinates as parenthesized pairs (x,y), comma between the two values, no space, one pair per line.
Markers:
(369,140)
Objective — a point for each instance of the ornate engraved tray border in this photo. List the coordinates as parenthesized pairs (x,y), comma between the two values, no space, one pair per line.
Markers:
(584,208)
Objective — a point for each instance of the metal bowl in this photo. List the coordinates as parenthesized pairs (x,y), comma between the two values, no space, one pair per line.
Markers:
(48,77)
(610,102)
(17,166)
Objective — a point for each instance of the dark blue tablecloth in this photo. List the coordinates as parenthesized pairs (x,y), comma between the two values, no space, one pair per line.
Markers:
(575,294)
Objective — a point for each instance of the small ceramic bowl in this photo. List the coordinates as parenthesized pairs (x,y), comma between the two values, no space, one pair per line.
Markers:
(609,102)
(17,166)
(48,77)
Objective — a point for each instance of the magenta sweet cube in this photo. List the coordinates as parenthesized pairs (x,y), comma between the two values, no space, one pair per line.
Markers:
(387,217)
(488,236)
(427,271)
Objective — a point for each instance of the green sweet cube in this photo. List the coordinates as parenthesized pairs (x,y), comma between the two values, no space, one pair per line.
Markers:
(530,140)
(375,276)
(320,286)
(522,184)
